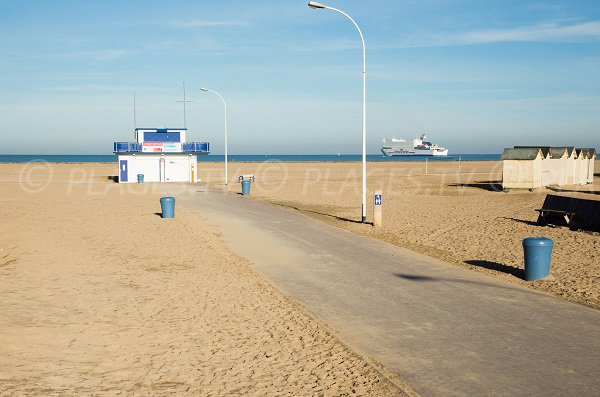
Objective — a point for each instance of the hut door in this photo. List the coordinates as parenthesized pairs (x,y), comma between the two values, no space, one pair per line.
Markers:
(123,171)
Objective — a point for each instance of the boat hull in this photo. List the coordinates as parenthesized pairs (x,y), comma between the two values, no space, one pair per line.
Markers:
(395,152)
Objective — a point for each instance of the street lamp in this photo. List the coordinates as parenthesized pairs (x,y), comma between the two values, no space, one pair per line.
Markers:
(314,4)
(225,106)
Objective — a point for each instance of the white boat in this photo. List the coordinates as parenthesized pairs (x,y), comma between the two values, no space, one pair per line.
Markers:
(417,147)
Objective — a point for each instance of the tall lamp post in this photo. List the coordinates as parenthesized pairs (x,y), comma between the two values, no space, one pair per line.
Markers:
(314,4)
(225,107)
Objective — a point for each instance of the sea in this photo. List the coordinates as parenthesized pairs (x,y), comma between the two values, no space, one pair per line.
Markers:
(247,158)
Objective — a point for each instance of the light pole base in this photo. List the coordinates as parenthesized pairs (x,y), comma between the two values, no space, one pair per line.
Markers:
(364,219)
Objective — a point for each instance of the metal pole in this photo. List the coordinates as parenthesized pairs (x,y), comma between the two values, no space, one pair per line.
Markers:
(134,116)
(364,106)
(225,107)
(184,102)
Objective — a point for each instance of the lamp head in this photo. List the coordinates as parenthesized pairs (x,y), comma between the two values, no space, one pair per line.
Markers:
(203,89)
(314,4)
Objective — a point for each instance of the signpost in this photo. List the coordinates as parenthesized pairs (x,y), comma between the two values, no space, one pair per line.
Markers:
(377,208)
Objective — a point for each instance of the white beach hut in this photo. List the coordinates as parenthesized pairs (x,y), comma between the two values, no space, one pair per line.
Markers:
(591,164)
(547,170)
(522,168)
(570,170)
(585,166)
(556,165)
(579,164)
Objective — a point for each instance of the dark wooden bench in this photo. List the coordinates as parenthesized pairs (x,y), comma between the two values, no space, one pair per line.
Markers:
(548,214)
(573,212)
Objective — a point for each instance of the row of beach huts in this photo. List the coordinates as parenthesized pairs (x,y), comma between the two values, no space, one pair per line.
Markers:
(531,167)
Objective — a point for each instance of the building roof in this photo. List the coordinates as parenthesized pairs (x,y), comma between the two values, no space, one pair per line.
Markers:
(545,149)
(521,153)
(557,152)
(591,152)
(161,129)
(570,150)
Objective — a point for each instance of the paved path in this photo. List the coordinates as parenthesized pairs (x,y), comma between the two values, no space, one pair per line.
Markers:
(444,330)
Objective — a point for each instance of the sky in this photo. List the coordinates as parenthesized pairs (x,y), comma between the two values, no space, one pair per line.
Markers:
(475,76)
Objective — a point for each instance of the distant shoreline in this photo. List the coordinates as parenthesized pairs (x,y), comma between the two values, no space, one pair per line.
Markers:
(245,158)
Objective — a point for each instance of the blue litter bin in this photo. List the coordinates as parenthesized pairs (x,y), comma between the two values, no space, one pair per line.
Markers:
(537,252)
(167,206)
(140,178)
(245,187)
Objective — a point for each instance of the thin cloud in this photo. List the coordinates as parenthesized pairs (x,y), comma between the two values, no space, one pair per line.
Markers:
(546,32)
(87,56)
(329,45)
(106,55)
(549,32)
(198,23)
(89,88)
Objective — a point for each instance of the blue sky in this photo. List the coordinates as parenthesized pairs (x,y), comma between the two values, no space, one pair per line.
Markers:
(476,76)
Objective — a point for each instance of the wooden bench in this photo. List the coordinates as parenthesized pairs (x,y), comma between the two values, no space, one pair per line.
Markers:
(576,213)
(546,214)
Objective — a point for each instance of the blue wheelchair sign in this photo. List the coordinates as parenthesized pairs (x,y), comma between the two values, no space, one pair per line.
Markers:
(378,199)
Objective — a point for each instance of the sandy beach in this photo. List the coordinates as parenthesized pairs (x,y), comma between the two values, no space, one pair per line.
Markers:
(101,296)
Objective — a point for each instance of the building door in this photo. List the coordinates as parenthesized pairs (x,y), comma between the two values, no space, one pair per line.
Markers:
(123,171)
(177,170)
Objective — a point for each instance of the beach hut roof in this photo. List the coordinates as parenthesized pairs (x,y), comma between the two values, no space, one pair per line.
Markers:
(521,153)
(570,150)
(580,154)
(545,149)
(557,152)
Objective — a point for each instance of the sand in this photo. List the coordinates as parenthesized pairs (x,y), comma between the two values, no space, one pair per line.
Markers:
(100,296)
(454,211)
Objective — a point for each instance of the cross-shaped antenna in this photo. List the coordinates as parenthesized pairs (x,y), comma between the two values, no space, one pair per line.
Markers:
(184,102)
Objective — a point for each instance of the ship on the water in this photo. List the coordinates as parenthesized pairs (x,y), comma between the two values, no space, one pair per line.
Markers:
(417,147)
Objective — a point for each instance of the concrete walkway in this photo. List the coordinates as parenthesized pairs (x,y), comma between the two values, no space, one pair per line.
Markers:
(444,330)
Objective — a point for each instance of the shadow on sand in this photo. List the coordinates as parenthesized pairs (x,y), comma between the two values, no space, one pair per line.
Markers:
(557,190)
(339,218)
(113,178)
(530,223)
(490,186)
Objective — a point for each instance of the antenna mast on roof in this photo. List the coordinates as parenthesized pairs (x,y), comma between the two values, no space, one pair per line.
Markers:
(184,102)
(134,117)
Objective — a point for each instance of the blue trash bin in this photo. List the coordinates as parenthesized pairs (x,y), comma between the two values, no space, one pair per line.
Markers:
(246,187)
(537,253)
(140,178)
(167,206)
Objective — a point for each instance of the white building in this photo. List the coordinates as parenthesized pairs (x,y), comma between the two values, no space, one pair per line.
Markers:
(530,167)
(591,164)
(159,155)
(522,168)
